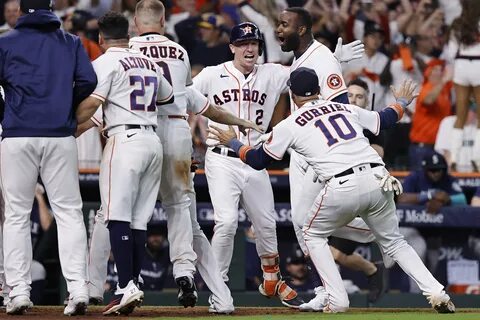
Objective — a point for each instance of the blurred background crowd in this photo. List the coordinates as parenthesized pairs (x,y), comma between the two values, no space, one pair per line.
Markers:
(403,39)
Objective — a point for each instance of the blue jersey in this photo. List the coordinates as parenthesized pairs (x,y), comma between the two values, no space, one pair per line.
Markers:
(45,73)
(36,228)
(155,269)
(418,182)
(477,192)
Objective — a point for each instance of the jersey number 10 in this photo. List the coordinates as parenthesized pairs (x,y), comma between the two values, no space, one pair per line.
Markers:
(331,140)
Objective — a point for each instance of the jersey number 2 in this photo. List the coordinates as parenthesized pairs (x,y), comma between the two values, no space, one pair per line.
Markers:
(144,82)
(331,140)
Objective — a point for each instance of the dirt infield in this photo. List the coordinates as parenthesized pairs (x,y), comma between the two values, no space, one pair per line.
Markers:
(56,312)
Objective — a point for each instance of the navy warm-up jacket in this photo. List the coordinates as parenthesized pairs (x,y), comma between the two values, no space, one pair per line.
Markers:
(45,73)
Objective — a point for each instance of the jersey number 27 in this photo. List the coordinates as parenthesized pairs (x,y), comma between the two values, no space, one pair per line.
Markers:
(137,94)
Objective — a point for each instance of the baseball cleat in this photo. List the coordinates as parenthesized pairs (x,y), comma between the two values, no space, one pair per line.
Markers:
(293,303)
(18,305)
(76,306)
(187,291)
(287,295)
(375,283)
(124,300)
(318,302)
(441,302)
(95,301)
(219,310)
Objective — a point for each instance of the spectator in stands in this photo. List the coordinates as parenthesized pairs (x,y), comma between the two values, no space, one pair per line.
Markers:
(213,48)
(186,10)
(297,271)
(41,219)
(371,65)
(443,142)
(466,39)
(128,7)
(264,13)
(476,198)
(327,24)
(424,18)
(433,104)
(366,11)
(156,265)
(402,66)
(89,144)
(11,13)
(99,7)
(76,23)
(432,187)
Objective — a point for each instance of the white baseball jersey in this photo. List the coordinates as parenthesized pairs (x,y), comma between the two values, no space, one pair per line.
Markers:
(329,71)
(197,103)
(329,136)
(174,133)
(139,86)
(252,98)
(174,63)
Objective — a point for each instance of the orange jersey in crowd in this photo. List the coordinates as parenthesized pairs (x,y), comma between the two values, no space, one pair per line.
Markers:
(93,49)
(427,118)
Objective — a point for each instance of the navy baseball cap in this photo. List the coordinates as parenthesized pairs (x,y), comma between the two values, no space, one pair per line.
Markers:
(304,82)
(371,27)
(434,161)
(30,6)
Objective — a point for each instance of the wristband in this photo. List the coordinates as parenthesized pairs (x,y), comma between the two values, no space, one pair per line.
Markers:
(403,102)
(235,144)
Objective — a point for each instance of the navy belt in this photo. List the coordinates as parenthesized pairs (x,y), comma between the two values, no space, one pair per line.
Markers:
(350,171)
(230,153)
(468,57)
(130,127)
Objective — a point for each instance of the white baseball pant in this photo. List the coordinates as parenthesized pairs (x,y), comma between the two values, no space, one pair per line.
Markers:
(206,261)
(303,192)
(335,206)
(176,139)
(231,181)
(55,159)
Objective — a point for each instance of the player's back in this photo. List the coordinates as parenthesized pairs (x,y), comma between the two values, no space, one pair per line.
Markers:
(131,81)
(330,136)
(173,60)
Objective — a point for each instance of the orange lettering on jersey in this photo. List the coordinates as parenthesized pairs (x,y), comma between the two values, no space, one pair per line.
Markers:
(334,81)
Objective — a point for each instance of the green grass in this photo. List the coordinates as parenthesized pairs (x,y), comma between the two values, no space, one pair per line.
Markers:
(352,315)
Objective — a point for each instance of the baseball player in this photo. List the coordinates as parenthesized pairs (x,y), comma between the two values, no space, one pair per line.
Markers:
(37,139)
(250,91)
(130,86)
(294,33)
(150,20)
(329,135)
(176,139)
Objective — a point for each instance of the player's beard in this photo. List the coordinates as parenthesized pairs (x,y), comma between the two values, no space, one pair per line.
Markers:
(291,43)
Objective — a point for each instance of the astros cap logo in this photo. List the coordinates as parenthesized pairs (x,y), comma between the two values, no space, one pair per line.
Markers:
(247,29)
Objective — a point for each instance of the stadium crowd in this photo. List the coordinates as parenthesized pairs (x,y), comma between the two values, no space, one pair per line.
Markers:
(403,39)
